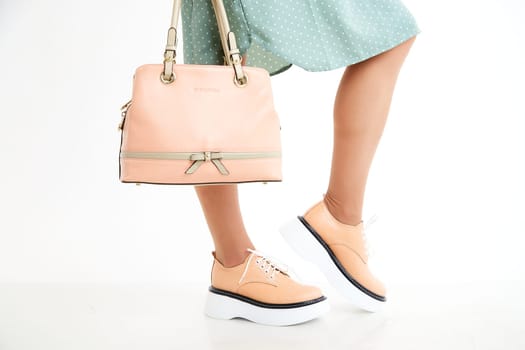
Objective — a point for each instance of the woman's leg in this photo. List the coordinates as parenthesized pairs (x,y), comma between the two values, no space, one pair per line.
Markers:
(361,107)
(220,204)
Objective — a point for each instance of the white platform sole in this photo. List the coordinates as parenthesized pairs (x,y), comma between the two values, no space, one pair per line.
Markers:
(225,308)
(309,248)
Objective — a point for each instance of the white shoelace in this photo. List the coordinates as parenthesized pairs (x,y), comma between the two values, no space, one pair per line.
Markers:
(268,264)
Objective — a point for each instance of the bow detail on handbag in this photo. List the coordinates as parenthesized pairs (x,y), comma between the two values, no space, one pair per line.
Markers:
(201,157)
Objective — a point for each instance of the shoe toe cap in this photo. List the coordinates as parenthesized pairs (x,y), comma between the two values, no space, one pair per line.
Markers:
(310,292)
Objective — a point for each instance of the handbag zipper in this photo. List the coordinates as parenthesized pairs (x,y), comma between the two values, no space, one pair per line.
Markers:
(198,158)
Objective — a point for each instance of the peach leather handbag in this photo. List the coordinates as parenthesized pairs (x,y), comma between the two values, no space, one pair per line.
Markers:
(200,124)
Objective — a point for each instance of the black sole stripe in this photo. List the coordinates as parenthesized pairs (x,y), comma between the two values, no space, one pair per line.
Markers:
(263,304)
(338,263)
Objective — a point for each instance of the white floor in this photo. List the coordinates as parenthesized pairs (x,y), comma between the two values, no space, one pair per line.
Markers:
(467,316)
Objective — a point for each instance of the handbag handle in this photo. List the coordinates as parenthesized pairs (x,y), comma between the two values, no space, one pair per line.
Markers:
(232,55)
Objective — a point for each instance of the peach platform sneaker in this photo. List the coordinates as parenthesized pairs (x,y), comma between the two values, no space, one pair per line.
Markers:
(262,291)
(339,251)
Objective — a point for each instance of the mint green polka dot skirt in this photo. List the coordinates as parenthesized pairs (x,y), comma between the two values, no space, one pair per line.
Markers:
(316,35)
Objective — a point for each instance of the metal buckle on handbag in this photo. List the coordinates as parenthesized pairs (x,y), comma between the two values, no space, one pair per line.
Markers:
(167,76)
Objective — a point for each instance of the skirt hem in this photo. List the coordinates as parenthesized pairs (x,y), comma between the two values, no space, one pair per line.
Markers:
(329,67)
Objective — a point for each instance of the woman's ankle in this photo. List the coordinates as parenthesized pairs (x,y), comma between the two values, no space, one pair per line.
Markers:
(340,212)
(232,257)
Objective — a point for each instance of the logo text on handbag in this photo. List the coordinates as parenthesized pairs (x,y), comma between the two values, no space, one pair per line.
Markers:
(206,89)
(201,157)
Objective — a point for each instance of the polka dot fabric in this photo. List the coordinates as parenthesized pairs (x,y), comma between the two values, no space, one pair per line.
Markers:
(316,35)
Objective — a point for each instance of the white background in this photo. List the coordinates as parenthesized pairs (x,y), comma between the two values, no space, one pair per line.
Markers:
(447,183)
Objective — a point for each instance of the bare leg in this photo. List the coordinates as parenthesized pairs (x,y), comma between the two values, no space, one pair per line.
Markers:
(361,107)
(220,204)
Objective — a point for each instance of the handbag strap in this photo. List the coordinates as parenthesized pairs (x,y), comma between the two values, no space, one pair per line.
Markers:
(232,55)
